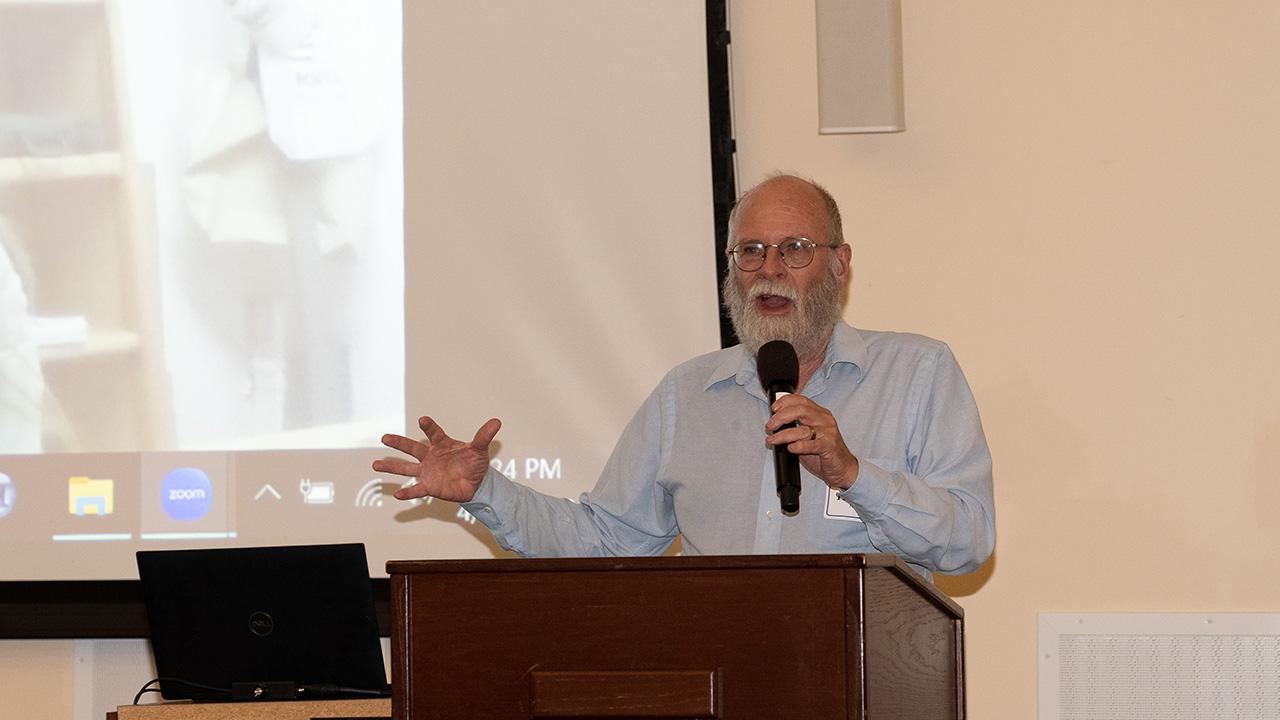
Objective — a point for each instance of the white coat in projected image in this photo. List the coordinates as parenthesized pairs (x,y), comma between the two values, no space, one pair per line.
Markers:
(273,130)
(21,382)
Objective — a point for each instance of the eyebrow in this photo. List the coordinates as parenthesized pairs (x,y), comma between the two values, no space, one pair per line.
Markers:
(743,241)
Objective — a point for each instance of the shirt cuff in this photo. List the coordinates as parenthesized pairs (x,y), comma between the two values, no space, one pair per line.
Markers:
(493,500)
(871,491)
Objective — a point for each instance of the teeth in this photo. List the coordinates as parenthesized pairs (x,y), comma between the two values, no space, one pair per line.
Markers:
(761,294)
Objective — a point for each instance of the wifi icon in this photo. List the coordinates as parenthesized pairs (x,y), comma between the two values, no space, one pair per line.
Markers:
(370,494)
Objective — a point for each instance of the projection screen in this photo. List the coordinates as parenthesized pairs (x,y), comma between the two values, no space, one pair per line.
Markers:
(244,239)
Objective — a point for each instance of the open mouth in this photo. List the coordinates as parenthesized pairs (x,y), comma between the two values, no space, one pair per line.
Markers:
(773,303)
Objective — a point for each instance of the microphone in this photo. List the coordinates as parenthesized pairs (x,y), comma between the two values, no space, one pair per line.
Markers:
(779,370)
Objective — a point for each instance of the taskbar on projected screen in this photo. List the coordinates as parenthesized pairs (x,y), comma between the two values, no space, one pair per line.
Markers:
(90,503)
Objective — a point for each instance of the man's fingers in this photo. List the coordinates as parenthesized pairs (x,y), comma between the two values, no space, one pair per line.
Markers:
(800,415)
(808,445)
(792,408)
(801,433)
(411,492)
(408,446)
(485,434)
(434,432)
(396,466)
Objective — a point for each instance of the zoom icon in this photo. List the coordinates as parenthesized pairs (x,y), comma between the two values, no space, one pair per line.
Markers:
(186,494)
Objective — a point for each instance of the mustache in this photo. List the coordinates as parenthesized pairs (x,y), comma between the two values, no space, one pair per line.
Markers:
(763,287)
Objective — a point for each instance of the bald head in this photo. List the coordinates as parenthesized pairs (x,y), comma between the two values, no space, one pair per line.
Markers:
(798,195)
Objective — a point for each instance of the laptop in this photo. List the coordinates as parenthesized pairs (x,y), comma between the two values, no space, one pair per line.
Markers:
(263,623)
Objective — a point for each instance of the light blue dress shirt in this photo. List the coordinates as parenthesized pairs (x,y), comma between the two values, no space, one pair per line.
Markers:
(693,462)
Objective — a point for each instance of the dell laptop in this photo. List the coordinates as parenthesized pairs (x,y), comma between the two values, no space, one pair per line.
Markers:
(263,623)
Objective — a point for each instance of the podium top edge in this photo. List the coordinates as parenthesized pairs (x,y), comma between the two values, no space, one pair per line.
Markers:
(681,562)
(848,561)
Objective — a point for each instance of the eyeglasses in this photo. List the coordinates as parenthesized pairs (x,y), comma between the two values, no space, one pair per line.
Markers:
(796,252)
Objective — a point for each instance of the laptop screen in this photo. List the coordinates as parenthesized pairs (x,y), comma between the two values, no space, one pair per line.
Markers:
(244,619)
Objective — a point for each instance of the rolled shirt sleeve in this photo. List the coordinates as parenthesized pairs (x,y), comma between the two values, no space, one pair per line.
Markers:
(937,510)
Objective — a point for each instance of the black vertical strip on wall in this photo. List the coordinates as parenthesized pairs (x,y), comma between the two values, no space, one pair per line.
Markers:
(723,186)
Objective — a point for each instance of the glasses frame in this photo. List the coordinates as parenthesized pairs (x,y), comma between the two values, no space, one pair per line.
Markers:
(764,257)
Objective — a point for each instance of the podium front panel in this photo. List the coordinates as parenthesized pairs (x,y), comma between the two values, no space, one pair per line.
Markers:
(751,637)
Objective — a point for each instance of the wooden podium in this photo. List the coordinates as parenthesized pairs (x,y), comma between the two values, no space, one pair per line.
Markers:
(796,636)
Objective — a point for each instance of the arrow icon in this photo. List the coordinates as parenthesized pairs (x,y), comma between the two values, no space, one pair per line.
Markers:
(266,489)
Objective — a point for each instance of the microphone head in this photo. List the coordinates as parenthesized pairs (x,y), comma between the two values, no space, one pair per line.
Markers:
(778,365)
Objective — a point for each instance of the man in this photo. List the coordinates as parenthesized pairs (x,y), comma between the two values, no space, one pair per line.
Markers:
(893,455)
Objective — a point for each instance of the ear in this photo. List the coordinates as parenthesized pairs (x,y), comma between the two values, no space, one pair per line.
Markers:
(844,254)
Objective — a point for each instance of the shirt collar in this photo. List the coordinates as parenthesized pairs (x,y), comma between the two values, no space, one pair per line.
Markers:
(734,363)
(846,348)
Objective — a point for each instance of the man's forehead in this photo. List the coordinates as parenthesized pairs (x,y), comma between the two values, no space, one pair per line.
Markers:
(773,210)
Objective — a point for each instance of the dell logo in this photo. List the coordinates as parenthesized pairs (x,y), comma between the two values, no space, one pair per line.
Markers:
(261,624)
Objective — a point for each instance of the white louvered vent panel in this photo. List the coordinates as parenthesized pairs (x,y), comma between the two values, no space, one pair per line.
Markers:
(1148,666)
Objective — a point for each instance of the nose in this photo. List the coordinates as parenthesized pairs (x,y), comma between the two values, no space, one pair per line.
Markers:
(773,265)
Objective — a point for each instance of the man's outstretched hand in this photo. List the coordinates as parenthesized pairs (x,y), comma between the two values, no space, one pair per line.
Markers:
(446,468)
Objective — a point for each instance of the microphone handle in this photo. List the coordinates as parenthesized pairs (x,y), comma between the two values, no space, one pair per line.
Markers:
(786,465)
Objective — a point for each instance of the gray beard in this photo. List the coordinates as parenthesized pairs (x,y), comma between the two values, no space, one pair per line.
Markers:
(808,329)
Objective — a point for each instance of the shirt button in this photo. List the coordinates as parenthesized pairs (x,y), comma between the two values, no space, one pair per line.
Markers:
(768,514)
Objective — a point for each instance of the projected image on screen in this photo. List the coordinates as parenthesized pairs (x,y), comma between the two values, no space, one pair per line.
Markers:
(201,226)
(201,263)
(208,256)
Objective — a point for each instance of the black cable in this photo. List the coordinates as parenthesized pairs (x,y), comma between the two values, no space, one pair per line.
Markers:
(304,690)
(146,687)
(319,690)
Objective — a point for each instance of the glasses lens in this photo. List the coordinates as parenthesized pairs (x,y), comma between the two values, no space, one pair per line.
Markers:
(749,256)
(796,252)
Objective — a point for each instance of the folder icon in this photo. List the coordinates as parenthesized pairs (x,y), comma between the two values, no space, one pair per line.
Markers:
(87,496)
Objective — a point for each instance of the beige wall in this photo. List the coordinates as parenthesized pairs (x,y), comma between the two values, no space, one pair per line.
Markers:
(1085,207)
(38,678)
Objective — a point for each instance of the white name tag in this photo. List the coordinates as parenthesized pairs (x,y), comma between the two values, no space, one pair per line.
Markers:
(838,509)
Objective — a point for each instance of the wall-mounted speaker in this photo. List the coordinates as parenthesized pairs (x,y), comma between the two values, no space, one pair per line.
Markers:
(860,66)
